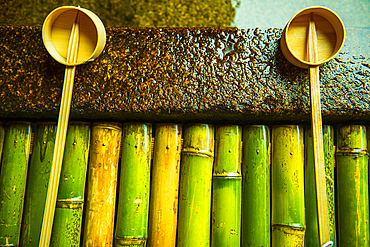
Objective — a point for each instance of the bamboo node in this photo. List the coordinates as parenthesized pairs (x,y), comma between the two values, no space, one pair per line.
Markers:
(198,152)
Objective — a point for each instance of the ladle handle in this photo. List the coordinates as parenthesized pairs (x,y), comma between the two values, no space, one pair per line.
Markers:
(317,136)
(47,223)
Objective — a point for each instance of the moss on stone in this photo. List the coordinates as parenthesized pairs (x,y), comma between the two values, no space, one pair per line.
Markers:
(126,13)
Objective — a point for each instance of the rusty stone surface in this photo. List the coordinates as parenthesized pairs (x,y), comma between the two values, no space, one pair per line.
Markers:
(184,74)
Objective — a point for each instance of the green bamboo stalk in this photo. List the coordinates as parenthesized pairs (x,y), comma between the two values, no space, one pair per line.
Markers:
(165,185)
(226,192)
(287,179)
(71,193)
(37,184)
(256,186)
(352,186)
(133,200)
(2,137)
(101,184)
(312,230)
(195,186)
(13,177)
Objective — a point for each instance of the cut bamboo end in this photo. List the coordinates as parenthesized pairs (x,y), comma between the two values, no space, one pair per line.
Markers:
(330,36)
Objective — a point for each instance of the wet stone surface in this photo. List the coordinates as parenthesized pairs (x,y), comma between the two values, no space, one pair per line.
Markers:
(183,74)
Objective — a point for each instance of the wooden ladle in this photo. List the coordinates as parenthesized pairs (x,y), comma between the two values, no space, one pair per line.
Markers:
(72,35)
(301,46)
(318,146)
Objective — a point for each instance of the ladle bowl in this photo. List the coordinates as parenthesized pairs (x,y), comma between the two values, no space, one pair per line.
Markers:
(56,32)
(330,36)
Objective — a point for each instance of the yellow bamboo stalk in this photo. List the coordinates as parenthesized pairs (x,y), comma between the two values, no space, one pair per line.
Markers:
(288,221)
(101,184)
(165,185)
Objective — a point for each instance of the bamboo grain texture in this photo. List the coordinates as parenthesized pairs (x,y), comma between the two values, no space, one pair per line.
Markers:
(71,193)
(226,187)
(288,221)
(165,185)
(65,105)
(352,174)
(326,37)
(256,159)
(194,221)
(38,180)
(133,204)
(352,186)
(312,230)
(87,36)
(13,177)
(318,147)
(102,184)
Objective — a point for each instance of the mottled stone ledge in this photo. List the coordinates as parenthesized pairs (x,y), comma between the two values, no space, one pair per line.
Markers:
(184,74)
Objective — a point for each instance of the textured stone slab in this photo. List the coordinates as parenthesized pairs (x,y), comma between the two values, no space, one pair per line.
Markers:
(184,74)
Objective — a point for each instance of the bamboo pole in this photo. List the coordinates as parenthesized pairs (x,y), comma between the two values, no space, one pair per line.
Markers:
(13,177)
(101,184)
(226,191)
(134,189)
(47,223)
(312,229)
(256,186)
(2,137)
(288,209)
(195,186)
(317,138)
(37,184)
(165,185)
(71,193)
(352,186)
